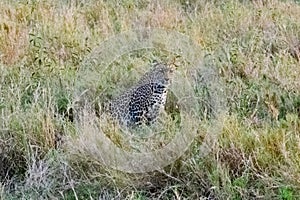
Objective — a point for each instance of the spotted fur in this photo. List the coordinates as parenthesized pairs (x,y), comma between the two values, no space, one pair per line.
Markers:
(143,102)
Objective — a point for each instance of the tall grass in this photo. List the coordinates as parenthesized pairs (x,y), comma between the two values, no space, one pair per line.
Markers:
(255,47)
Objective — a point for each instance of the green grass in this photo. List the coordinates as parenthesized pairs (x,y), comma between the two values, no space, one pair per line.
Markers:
(255,47)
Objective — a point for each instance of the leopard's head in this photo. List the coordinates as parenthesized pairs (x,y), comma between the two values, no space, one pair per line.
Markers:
(159,73)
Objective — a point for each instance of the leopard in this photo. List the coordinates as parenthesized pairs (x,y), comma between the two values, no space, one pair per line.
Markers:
(143,102)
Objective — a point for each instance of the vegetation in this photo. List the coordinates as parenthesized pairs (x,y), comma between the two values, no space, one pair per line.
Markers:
(254,45)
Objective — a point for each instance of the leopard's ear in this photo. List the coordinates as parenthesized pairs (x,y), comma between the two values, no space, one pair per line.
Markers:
(172,64)
(154,63)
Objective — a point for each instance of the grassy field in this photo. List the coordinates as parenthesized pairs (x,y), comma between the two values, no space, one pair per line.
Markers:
(255,47)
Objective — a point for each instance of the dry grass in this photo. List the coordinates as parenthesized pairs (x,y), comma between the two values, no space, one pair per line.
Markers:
(254,45)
